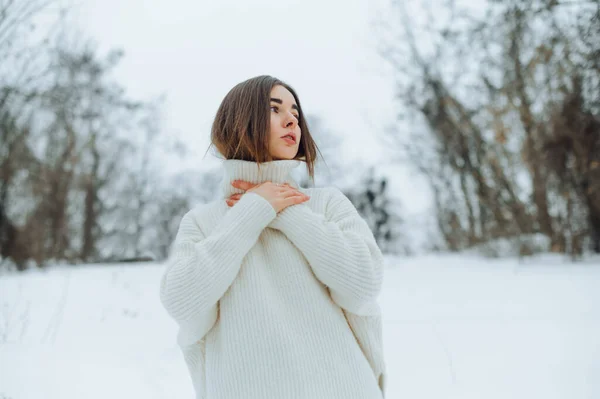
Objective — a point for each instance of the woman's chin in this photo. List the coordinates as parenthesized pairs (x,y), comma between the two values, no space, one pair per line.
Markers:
(285,155)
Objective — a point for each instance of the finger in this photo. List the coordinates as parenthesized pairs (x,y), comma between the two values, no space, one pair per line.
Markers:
(281,187)
(243,185)
(292,191)
(293,194)
(290,187)
(295,199)
(287,186)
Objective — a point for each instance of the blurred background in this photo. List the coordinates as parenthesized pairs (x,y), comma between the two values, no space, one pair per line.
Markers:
(467,134)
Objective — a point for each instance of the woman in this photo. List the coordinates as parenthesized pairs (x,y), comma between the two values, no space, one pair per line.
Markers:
(274,287)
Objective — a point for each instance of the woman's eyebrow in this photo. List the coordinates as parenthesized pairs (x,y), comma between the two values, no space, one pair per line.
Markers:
(278,101)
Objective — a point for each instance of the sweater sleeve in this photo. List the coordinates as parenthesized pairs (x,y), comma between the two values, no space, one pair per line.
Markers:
(201,267)
(368,331)
(340,248)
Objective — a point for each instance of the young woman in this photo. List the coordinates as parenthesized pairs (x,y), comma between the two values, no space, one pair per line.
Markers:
(274,287)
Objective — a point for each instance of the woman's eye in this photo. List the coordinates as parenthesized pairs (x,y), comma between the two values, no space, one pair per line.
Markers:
(273,107)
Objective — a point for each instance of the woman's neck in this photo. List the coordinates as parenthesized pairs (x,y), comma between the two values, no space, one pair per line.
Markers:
(278,171)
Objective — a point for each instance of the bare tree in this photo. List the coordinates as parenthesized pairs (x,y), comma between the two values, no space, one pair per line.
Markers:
(20,73)
(489,123)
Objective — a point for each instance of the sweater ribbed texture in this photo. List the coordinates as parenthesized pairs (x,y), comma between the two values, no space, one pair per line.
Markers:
(277,305)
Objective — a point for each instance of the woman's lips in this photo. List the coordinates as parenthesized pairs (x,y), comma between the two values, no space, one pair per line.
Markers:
(288,140)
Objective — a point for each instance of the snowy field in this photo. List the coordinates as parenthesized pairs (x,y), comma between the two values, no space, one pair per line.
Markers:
(455,327)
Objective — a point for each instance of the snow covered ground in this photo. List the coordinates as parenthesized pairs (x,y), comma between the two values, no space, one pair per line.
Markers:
(455,327)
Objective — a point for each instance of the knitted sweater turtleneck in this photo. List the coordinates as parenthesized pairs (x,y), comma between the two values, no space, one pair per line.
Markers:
(277,305)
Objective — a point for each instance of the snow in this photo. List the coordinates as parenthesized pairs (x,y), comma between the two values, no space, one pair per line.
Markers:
(454,327)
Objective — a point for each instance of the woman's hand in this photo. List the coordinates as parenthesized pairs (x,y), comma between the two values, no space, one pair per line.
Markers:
(279,196)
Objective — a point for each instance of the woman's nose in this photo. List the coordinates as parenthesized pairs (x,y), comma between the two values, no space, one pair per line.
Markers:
(290,120)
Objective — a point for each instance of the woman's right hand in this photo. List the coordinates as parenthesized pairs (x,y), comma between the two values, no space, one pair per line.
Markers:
(279,196)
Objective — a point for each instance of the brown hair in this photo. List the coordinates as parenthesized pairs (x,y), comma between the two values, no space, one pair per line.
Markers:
(242,123)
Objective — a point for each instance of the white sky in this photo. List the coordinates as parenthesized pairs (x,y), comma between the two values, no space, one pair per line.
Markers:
(194,52)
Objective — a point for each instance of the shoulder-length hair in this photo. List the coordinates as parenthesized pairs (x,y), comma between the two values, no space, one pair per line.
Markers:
(241,126)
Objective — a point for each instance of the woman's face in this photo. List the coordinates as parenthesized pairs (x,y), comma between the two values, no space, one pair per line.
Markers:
(284,121)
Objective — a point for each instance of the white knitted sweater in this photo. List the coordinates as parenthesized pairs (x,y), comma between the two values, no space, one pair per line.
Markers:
(277,305)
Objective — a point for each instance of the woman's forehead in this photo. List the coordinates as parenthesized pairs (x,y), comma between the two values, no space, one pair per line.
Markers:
(281,93)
